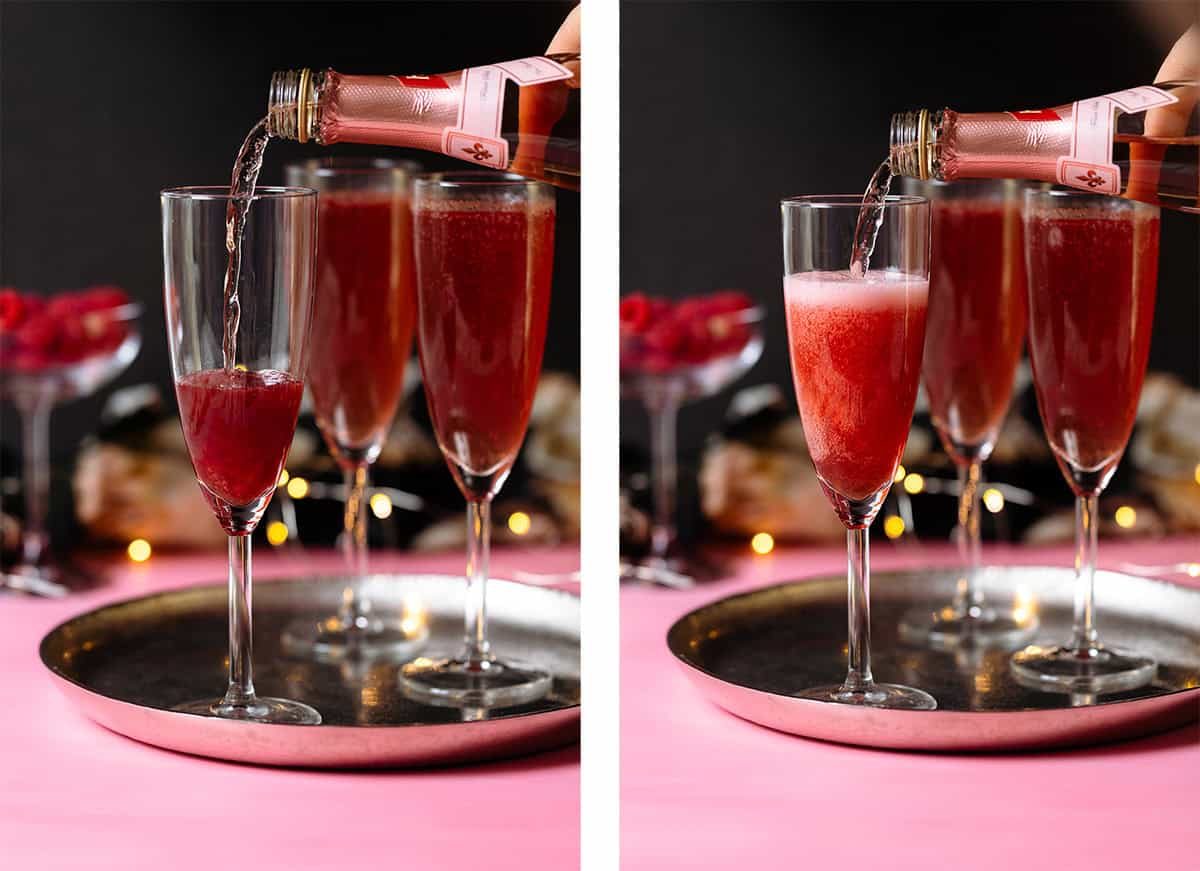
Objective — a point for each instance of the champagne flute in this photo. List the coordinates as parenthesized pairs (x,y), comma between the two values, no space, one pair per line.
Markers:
(1093,271)
(975,332)
(363,320)
(485,251)
(856,347)
(239,415)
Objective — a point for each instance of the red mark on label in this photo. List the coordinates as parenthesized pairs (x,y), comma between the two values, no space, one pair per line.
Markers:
(1035,115)
(426,82)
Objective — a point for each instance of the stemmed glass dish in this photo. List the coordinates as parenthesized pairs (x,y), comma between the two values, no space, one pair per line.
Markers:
(238,419)
(856,346)
(665,371)
(485,252)
(34,387)
(1093,271)
(363,319)
(975,332)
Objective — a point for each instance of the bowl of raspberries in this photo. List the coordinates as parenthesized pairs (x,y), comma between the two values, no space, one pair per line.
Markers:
(699,344)
(71,341)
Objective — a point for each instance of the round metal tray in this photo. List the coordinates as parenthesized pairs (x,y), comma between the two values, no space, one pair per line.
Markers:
(126,665)
(751,653)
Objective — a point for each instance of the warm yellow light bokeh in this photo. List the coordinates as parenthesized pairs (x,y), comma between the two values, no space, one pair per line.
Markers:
(914,483)
(893,526)
(1126,517)
(762,543)
(900,473)
(297,488)
(381,505)
(993,500)
(277,533)
(519,522)
(283,478)
(139,550)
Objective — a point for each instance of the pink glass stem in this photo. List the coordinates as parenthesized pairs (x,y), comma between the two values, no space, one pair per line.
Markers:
(664,414)
(1084,635)
(478,553)
(967,533)
(35,443)
(858,601)
(354,542)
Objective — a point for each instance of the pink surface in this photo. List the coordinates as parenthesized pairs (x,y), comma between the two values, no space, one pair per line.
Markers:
(73,794)
(702,789)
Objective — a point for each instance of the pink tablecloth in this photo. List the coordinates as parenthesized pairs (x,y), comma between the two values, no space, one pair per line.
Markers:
(73,795)
(702,789)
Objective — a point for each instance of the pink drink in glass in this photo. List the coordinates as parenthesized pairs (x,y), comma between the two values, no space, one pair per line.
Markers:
(363,315)
(1090,317)
(238,427)
(976,323)
(482,327)
(856,361)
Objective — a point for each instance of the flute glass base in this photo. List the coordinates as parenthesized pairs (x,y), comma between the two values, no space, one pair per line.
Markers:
(880,695)
(368,639)
(1090,671)
(980,627)
(284,712)
(462,683)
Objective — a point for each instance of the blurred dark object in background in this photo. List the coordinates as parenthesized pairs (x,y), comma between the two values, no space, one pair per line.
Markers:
(133,480)
(756,476)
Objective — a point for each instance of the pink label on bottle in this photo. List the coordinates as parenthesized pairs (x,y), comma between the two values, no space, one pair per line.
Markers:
(484,150)
(476,136)
(1091,141)
(482,103)
(1100,178)
(535,70)
(1133,100)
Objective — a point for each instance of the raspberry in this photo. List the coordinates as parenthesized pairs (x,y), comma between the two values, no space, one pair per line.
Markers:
(12,309)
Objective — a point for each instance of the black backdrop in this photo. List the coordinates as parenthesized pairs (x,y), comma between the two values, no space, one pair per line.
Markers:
(104,104)
(727,107)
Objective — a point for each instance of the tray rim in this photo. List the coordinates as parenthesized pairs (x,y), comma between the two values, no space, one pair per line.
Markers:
(690,665)
(199,587)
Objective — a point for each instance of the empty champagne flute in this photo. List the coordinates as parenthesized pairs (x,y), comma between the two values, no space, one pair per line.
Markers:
(363,319)
(975,332)
(856,342)
(485,254)
(238,411)
(1093,271)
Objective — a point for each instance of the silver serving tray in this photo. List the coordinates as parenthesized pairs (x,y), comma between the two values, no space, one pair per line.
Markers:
(126,665)
(751,652)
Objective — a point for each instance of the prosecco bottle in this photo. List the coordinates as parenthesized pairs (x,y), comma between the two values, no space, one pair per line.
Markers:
(521,116)
(1142,143)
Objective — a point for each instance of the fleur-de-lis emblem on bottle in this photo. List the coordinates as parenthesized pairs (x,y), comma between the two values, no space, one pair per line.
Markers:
(1092,180)
(478,152)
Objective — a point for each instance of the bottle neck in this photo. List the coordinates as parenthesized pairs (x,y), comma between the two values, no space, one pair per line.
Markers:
(294,106)
(916,143)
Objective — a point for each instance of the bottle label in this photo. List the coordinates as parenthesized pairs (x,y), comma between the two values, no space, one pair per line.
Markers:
(1089,165)
(476,136)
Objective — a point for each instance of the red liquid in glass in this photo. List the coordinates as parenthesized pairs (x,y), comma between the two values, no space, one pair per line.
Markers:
(1091,307)
(238,427)
(976,321)
(856,362)
(484,300)
(363,317)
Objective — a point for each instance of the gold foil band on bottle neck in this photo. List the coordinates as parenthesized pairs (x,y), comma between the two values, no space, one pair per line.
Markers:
(302,107)
(923,145)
